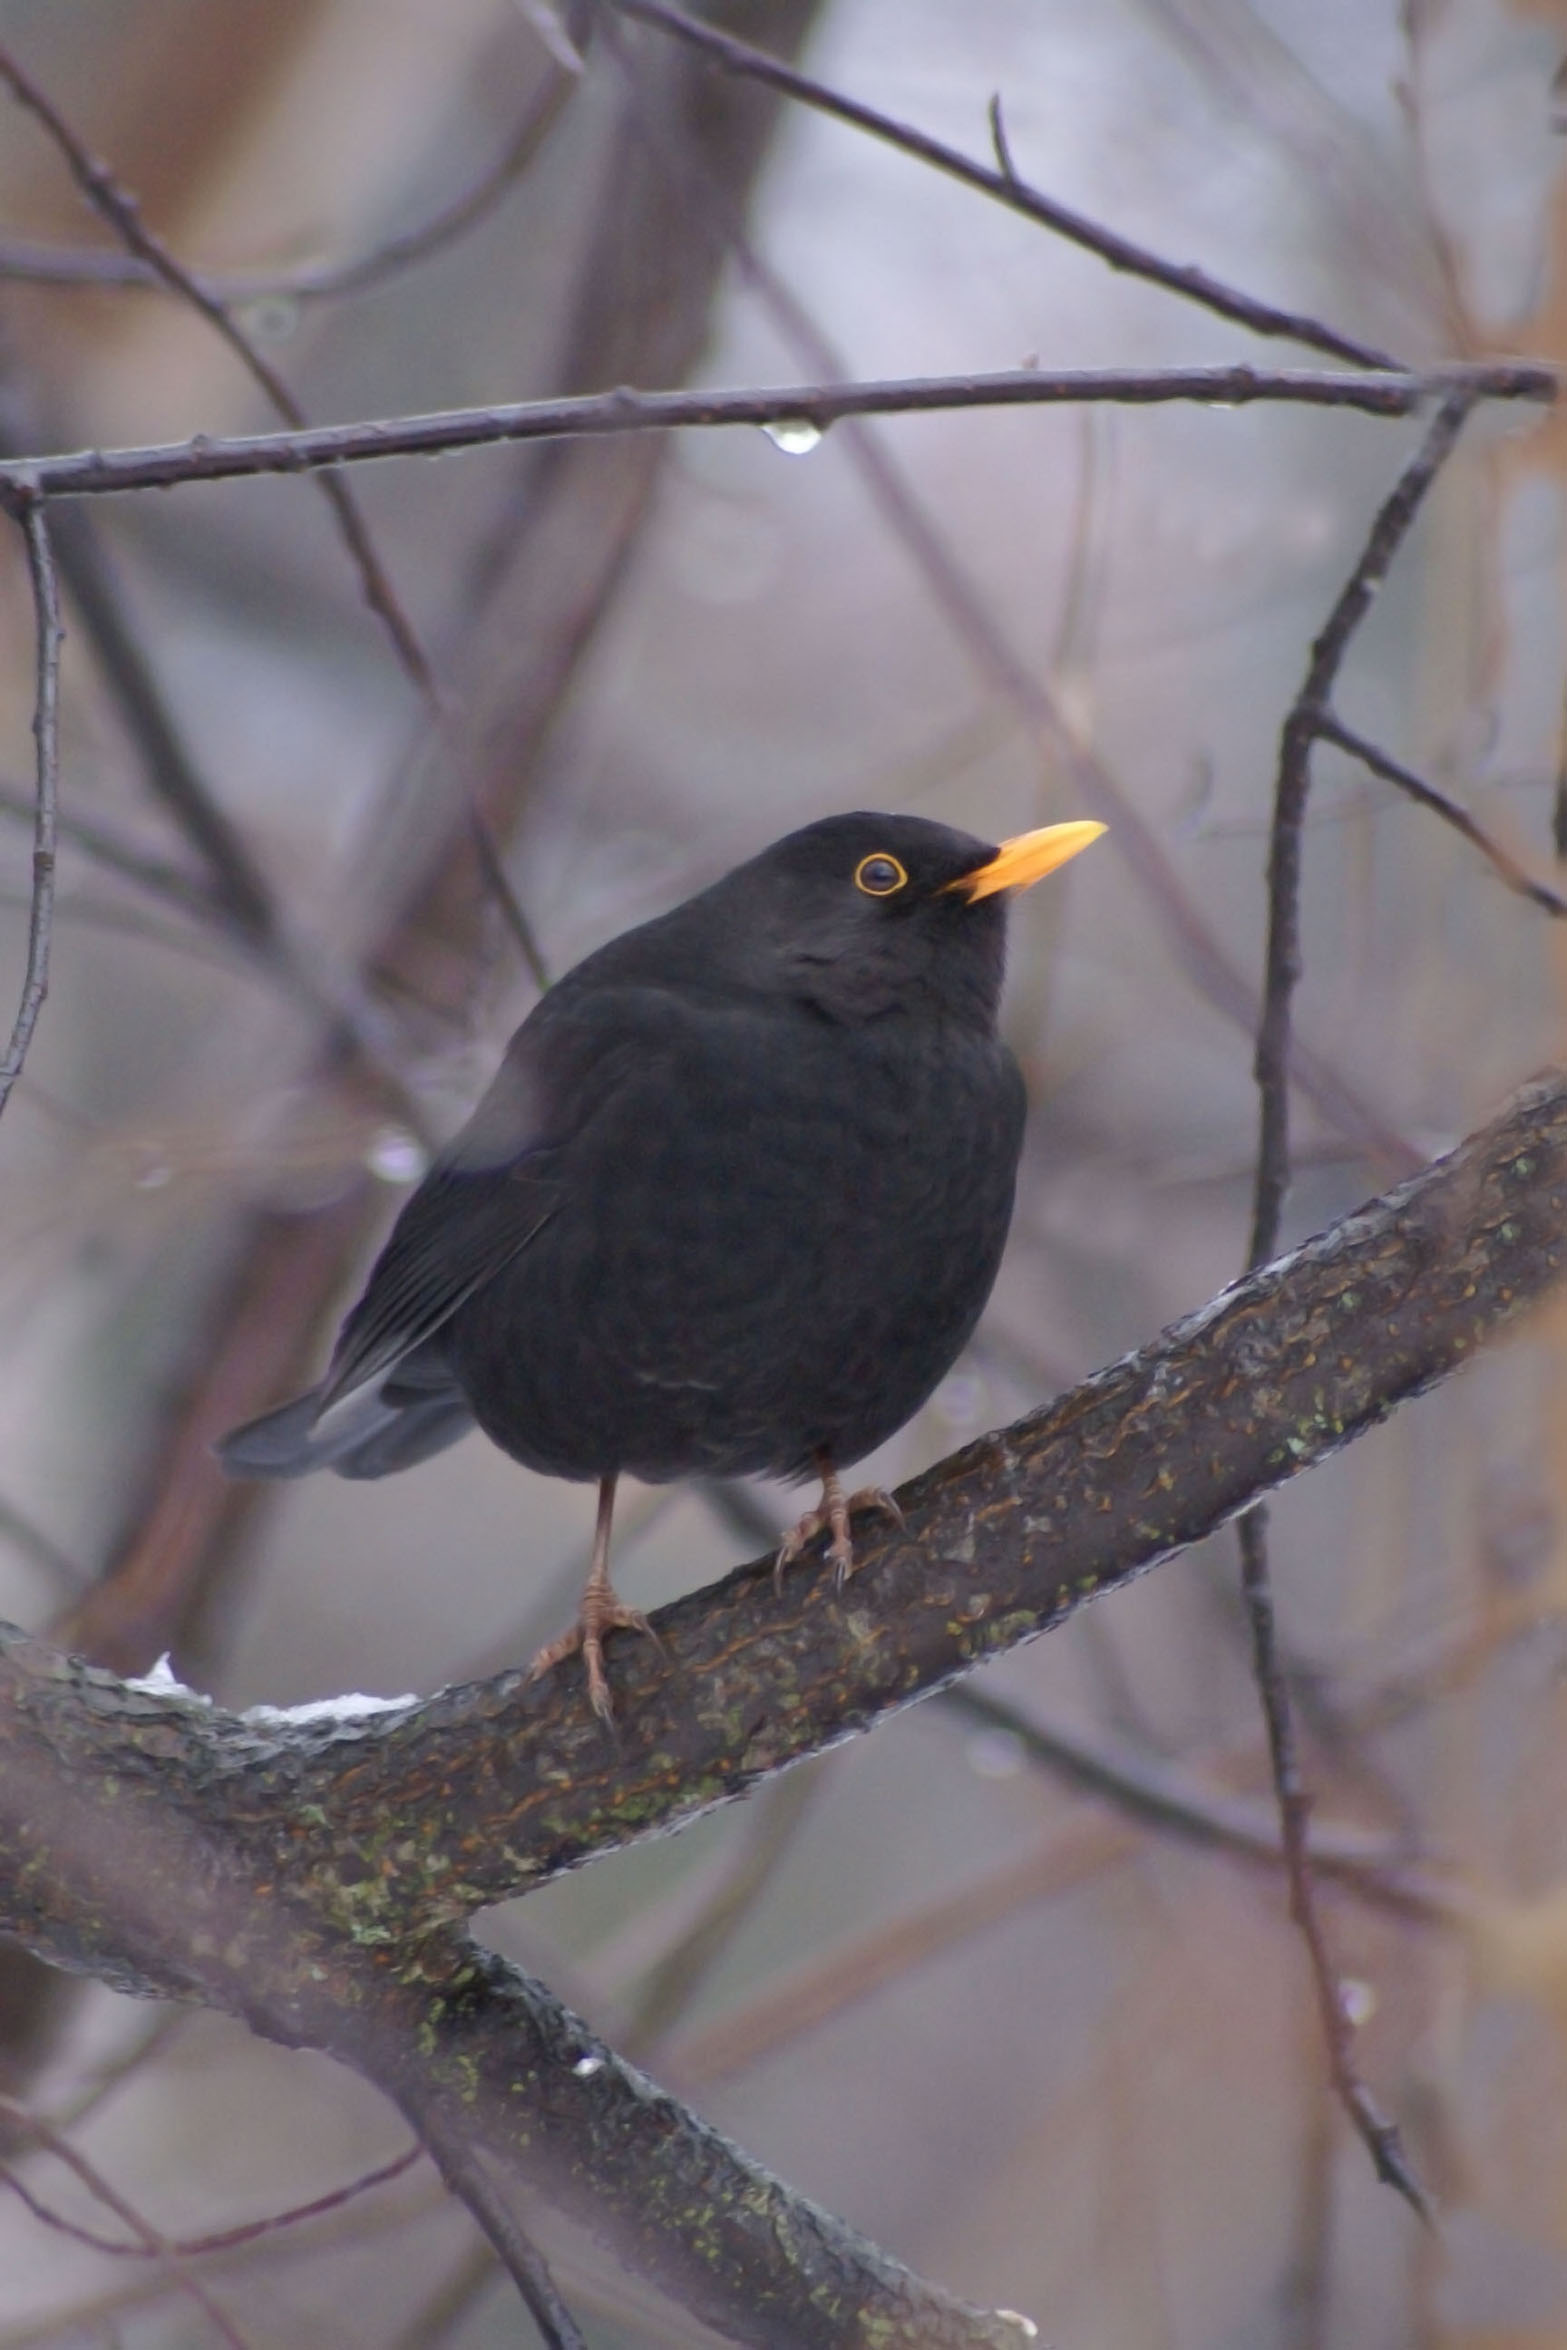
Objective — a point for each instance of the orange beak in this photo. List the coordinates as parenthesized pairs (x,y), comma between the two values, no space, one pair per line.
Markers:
(1019,863)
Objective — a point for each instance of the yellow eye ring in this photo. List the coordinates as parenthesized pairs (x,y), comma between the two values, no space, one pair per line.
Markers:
(880,876)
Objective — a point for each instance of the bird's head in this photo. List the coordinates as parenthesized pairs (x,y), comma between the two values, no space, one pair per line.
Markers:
(865,914)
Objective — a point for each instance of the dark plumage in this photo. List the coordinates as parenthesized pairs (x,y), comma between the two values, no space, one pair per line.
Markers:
(733,1203)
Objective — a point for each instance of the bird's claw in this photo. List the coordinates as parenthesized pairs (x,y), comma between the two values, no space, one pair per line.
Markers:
(603,1611)
(831,1516)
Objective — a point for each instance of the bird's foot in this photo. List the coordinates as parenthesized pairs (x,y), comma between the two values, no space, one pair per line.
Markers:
(831,1516)
(602,1611)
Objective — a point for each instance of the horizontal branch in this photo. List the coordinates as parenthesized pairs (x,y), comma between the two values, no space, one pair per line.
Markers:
(312,1875)
(93,472)
(386,1825)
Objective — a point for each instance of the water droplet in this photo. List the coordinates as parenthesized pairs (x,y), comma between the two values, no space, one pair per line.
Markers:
(396,1156)
(797,436)
(586,2066)
(995,1754)
(1025,2325)
(153,1174)
(1357,1999)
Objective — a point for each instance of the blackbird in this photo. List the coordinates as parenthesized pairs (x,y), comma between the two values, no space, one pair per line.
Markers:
(732,1205)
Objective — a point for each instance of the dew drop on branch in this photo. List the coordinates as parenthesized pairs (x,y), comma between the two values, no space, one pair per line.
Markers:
(797,436)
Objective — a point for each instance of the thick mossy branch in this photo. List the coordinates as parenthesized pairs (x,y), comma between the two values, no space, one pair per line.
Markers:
(384,1828)
(515,2073)
(313,1876)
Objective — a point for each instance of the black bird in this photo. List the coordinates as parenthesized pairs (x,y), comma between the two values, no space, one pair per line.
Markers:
(732,1205)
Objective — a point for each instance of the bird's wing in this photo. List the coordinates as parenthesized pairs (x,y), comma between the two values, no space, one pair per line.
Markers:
(456,1233)
(488,1195)
(496,1186)
(498,1183)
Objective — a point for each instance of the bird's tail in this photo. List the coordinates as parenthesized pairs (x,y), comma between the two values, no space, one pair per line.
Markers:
(367,1434)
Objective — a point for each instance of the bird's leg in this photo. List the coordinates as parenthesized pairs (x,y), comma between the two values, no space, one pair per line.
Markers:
(602,1610)
(831,1516)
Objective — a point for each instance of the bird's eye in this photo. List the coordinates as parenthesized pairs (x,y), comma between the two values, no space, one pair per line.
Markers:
(879,877)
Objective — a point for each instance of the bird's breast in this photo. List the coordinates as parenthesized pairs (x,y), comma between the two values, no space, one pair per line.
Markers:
(774,1236)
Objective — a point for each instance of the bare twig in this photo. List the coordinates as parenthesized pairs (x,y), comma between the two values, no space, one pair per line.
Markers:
(684,1965)
(232,896)
(498,882)
(473,2182)
(239,887)
(34,261)
(157,2246)
(1302,727)
(171,772)
(46,734)
(1146,1790)
(1381,2137)
(226,2239)
(807,1995)
(1192,284)
(92,472)
(1330,729)
(1156,1793)
(155,875)
(116,206)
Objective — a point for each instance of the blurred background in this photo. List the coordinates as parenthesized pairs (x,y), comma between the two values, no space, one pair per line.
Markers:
(1059,2058)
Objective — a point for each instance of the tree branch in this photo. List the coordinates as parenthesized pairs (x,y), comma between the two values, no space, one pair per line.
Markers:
(46,734)
(312,1874)
(120,209)
(1311,708)
(40,262)
(388,1824)
(1329,729)
(1192,284)
(93,472)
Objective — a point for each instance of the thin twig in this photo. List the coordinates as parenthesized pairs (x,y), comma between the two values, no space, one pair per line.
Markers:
(675,1979)
(1381,2137)
(136,2289)
(803,1997)
(94,472)
(239,886)
(1302,727)
(233,897)
(497,881)
(1001,143)
(1329,729)
(226,2239)
(157,2246)
(119,208)
(155,875)
(1193,285)
(37,262)
(242,884)
(463,2167)
(46,734)
(1159,1795)
(1311,705)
